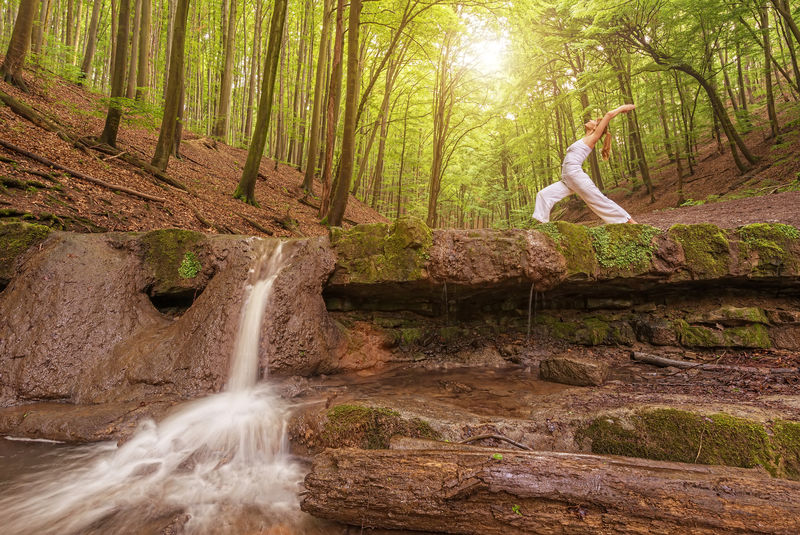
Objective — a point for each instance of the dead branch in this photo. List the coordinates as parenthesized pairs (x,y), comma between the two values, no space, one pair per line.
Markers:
(256,225)
(665,362)
(78,174)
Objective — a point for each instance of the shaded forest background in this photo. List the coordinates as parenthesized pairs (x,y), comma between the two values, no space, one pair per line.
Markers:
(454,112)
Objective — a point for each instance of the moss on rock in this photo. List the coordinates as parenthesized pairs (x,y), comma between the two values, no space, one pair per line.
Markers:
(575,243)
(771,244)
(15,239)
(751,336)
(729,315)
(379,252)
(706,249)
(358,426)
(165,252)
(624,247)
(589,331)
(676,435)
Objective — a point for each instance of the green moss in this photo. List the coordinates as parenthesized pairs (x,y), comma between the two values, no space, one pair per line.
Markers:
(706,249)
(753,336)
(370,427)
(15,239)
(165,252)
(575,243)
(729,315)
(787,444)
(771,243)
(589,331)
(381,253)
(624,246)
(675,435)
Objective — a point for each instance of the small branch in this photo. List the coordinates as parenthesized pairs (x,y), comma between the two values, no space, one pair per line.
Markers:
(256,225)
(664,362)
(78,174)
(210,224)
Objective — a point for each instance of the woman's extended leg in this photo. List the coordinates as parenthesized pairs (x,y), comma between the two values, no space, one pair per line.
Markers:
(547,198)
(608,210)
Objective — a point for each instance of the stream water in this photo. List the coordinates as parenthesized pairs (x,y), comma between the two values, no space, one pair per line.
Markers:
(215,465)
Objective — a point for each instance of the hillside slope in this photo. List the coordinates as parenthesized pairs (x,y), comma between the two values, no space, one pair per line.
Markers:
(210,170)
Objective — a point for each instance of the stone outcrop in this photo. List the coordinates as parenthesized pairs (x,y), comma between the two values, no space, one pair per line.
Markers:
(570,370)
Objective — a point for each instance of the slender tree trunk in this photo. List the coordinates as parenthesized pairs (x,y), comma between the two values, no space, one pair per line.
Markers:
(254,57)
(109,135)
(220,129)
(134,56)
(662,109)
(332,110)
(11,69)
(740,79)
(340,194)
(174,88)
(91,40)
(773,116)
(633,129)
(142,79)
(171,6)
(70,23)
(294,149)
(40,26)
(402,157)
(316,113)
(247,184)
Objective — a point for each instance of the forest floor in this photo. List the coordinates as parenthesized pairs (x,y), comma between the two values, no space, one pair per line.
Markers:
(717,192)
(211,170)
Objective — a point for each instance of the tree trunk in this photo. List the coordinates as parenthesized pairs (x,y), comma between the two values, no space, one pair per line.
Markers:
(316,113)
(254,63)
(134,56)
(171,6)
(174,88)
(40,26)
(294,131)
(488,491)
(662,109)
(109,135)
(773,116)
(246,190)
(143,79)
(402,157)
(91,40)
(332,109)
(220,129)
(11,69)
(340,194)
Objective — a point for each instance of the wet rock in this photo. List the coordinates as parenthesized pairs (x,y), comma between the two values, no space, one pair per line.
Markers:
(750,336)
(786,337)
(573,371)
(730,316)
(15,239)
(656,331)
(594,303)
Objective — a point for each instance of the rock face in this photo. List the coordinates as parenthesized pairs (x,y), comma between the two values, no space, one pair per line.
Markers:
(570,370)
(78,321)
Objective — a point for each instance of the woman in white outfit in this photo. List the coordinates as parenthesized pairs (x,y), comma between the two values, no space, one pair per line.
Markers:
(574,180)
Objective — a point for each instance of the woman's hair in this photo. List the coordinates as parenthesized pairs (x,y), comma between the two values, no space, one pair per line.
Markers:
(606,152)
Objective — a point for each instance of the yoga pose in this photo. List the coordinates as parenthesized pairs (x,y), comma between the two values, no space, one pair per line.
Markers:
(574,180)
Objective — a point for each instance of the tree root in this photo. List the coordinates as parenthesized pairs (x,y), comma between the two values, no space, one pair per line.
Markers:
(256,225)
(136,162)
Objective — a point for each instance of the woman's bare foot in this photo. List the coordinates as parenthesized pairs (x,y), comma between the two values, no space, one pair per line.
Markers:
(631,221)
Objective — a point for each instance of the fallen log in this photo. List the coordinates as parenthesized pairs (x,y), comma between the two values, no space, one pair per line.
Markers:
(491,491)
(665,362)
(77,174)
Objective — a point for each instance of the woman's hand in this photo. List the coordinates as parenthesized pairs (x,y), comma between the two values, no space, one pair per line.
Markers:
(625,108)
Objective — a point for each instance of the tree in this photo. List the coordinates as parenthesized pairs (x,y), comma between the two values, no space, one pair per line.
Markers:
(174,88)
(246,190)
(341,191)
(11,69)
(142,79)
(109,135)
(91,40)
(220,129)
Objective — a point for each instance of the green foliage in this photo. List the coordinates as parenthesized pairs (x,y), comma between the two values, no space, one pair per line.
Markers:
(190,266)
(705,247)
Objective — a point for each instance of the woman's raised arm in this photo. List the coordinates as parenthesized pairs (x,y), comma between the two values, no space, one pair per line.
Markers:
(595,136)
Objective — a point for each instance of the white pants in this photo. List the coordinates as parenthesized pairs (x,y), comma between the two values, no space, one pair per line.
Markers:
(582,185)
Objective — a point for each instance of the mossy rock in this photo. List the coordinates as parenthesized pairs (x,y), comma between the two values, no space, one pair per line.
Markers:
(706,249)
(379,252)
(771,247)
(575,243)
(750,336)
(173,255)
(589,331)
(729,315)
(363,427)
(15,239)
(624,248)
(683,436)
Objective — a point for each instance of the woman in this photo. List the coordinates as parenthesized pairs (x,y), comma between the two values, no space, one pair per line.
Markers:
(574,180)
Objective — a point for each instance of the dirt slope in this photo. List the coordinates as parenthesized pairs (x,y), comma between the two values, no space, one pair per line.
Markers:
(211,170)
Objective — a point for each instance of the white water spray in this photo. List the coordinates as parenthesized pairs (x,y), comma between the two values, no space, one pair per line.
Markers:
(211,460)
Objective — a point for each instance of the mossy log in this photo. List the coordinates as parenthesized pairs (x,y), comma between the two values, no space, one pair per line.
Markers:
(490,491)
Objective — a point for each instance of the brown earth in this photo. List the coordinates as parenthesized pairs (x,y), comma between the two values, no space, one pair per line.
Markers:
(210,169)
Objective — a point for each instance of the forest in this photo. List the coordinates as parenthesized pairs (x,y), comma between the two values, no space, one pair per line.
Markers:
(453,112)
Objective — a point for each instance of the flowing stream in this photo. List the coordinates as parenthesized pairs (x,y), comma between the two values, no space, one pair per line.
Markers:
(218,464)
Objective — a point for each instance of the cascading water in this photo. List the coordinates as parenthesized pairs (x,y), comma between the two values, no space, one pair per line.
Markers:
(208,466)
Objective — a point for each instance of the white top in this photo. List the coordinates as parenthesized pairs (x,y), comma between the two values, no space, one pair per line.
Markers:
(576,155)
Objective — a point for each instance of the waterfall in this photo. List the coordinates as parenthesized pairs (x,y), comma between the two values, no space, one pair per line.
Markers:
(210,461)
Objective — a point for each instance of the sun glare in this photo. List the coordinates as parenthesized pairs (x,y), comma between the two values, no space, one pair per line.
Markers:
(487,56)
